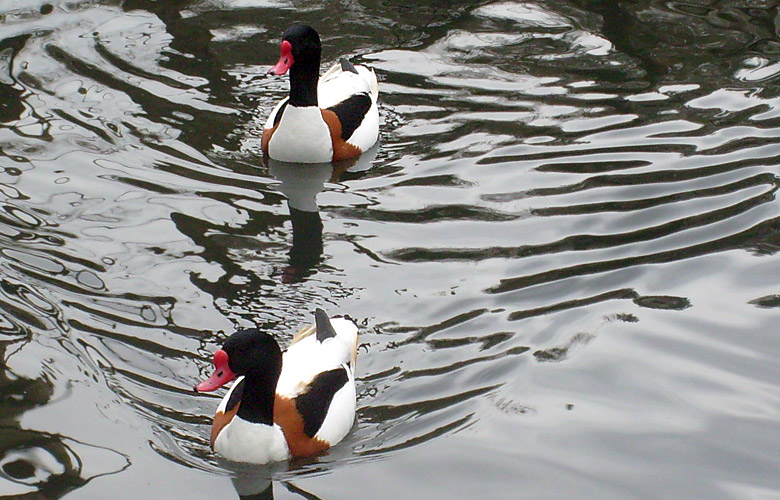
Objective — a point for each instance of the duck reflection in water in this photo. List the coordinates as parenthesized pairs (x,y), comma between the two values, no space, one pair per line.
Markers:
(300,183)
(250,486)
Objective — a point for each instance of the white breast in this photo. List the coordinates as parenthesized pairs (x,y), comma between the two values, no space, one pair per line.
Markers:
(302,137)
(243,441)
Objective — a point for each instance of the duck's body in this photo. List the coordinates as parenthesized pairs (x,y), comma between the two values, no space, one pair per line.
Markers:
(287,405)
(330,118)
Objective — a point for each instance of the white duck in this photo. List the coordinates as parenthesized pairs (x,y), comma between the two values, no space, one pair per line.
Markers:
(325,119)
(281,406)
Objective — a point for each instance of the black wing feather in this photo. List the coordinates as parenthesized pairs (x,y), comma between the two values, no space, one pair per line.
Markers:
(235,396)
(314,403)
(351,112)
(279,114)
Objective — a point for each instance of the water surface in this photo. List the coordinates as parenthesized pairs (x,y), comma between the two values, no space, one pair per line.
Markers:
(563,254)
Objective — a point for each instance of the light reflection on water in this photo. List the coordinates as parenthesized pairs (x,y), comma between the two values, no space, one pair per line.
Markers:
(563,253)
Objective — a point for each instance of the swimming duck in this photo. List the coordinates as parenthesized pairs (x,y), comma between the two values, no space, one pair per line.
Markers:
(326,119)
(282,406)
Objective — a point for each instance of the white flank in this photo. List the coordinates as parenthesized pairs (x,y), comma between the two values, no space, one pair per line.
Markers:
(302,137)
(308,357)
(367,133)
(336,86)
(341,413)
(243,441)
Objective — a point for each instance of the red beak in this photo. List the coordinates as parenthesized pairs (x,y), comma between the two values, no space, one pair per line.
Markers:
(285,60)
(221,376)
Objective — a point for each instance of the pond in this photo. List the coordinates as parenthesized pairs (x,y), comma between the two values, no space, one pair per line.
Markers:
(564,254)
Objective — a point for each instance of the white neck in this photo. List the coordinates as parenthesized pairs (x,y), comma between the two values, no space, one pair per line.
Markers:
(243,441)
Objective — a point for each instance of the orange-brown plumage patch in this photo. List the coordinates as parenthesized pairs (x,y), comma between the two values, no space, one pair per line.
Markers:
(220,421)
(342,150)
(266,138)
(291,422)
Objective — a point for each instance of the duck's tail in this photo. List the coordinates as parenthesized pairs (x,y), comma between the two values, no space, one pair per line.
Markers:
(366,73)
(342,327)
(370,76)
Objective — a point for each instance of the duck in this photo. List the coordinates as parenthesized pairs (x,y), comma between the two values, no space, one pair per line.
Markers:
(324,119)
(284,405)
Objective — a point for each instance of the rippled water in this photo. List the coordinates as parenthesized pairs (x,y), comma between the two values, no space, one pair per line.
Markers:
(564,252)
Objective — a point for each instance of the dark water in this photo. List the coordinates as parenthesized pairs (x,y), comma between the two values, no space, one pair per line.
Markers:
(564,253)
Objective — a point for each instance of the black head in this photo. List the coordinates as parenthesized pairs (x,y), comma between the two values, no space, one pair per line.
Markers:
(304,40)
(300,53)
(252,351)
(257,356)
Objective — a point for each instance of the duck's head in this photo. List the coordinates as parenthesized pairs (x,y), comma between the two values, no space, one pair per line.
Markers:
(247,352)
(300,45)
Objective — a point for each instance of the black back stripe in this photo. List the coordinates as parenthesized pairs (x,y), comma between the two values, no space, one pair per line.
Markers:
(313,404)
(324,328)
(235,396)
(279,113)
(351,112)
